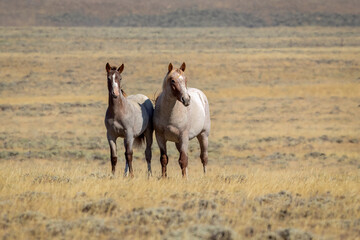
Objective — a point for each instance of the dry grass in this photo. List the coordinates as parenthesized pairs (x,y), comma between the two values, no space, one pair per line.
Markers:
(80,196)
(284,147)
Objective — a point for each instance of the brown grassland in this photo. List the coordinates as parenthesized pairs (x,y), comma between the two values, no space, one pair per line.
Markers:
(284,160)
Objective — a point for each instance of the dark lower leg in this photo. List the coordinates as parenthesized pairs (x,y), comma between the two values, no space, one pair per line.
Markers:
(148,158)
(128,157)
(113,164)
(164,161)
(113,155)
(204,160)
(183,162)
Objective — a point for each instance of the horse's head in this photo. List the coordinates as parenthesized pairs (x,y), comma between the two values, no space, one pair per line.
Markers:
(114,79)
(176,82)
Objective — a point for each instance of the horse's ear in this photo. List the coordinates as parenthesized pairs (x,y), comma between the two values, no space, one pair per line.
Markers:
(107,67)
(170,67)
(183,66)
(121,68)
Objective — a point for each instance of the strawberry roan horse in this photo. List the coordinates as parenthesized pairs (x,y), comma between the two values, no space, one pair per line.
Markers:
(181,114)
(129,118)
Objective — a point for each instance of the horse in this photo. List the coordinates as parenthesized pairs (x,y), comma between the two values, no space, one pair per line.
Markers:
(128,117)
(181,114)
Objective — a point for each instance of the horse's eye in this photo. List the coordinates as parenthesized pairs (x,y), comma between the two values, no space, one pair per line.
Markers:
(172,81)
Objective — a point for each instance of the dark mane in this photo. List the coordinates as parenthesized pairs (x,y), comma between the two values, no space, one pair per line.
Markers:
(113,68)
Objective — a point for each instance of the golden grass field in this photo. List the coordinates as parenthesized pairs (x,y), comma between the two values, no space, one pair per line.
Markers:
(284,151)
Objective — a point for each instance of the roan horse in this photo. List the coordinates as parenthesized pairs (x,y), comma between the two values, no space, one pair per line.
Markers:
(181,114)
(129,118)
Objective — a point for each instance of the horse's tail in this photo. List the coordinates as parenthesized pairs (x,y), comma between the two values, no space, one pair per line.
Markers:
(139,141)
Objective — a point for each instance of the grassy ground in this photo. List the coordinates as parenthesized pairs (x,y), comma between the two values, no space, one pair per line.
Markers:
(284,147)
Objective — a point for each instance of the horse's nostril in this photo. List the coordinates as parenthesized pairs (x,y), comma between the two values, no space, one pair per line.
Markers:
(113,94)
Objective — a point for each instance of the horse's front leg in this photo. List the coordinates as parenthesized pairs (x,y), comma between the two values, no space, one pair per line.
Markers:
(113,151)
(182,147)
(163,155)
(128,144)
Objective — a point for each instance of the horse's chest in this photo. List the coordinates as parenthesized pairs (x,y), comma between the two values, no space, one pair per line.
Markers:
(172,130)
(173,122)
(116,127)
(172,133)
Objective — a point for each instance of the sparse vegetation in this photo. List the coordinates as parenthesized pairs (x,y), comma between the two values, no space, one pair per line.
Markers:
(284,147)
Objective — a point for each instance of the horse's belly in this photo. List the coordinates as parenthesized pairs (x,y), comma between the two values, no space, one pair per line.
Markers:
(194,131)
(197,115)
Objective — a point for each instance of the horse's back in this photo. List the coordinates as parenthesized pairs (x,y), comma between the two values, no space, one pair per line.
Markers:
(199,111)
(142,100)
(144,107)
(138,98)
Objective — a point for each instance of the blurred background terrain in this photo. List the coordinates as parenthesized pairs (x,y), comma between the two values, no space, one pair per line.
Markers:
(187,13)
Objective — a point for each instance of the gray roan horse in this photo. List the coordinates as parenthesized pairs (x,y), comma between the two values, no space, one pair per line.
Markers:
(129,118)
(181,114)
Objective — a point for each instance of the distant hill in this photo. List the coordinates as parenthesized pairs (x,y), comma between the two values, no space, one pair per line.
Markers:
(185,13)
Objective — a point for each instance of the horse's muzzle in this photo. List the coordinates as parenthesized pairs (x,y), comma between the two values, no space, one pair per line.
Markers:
(185,101)
(113,95)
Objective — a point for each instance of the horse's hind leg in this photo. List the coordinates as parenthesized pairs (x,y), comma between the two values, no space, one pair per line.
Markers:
(203,140)
(149,141)
(128,144)
(113,152)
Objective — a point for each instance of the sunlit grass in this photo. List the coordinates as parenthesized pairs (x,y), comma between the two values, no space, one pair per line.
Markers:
(59,190)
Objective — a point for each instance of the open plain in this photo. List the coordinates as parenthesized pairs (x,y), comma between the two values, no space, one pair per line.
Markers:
(284,151)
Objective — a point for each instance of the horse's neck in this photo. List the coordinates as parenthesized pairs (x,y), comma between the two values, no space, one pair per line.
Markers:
(117,105)
(169,105)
